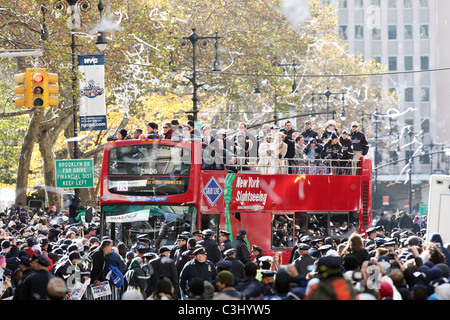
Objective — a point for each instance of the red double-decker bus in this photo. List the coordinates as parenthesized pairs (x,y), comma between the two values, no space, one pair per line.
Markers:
(161,188)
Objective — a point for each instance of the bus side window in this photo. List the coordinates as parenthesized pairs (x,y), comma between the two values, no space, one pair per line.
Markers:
(283,231)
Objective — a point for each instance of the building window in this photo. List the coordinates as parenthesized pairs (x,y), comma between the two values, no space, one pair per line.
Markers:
(409,94)
(424,32)
(392,32)
(408,32)
(424,63)
(393,155)
(425,94)
(376,34)
(377,59)
(343,32)
(407,4)
(359,32)
(409,63)
(393,91)
(343,4)
(392,63)
(359,4)
(423,3)
(376,3)
(392,4)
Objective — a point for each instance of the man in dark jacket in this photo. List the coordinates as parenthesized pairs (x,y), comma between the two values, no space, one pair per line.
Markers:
(237,267)
(290,154)
(199,267)
(163,267)
(251,287)
(35,286)
(225,242)
(187,255)
(211,246)
(309,133)
(360,145)
(99,261)
(242,252)
(304,261)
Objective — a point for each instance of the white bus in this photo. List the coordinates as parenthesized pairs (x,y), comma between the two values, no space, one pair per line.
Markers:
(438,219)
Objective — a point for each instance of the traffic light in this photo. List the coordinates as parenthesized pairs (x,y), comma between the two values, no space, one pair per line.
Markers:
(43,88)
(23,89)
(38,90)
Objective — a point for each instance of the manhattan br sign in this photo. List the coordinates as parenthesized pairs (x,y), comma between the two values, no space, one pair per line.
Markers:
(75,173)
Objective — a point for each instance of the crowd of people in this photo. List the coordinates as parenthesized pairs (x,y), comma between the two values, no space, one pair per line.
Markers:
(272,150)
(43,256)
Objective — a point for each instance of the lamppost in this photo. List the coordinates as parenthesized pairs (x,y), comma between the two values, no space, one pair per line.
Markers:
(328,94)
(292,65)
(77,6)
(194,39)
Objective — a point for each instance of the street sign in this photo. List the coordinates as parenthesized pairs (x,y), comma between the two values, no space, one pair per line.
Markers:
(385,200)
(75,173)
(423,209)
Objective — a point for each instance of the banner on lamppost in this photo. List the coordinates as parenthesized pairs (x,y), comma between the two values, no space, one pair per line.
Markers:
(91,70)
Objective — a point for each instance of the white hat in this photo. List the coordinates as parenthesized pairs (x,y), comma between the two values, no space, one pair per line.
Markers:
(354,123)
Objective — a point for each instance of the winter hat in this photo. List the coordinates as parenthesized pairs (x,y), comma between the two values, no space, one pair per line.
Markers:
(350,262)
(433,275)
(386,290)
(208,292)
(123,132)
(197,287)
(444,268)
(164,285)
(226,277)
(436,238)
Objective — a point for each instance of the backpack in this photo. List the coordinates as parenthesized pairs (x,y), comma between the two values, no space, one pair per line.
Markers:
(116,276)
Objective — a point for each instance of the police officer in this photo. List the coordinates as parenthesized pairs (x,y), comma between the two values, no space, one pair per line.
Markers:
(225,242)
(237,267)
(242,252)
(304,261)
(211,246)
(257,254)
(181,246)
(187,255)
(200,267)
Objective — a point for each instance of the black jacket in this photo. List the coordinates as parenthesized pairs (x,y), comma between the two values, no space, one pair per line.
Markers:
(163,267)
(309,134)
(242,252)
(195,269)
(212,249)
(347,148)
(35,286)
(99,265)
(359,142)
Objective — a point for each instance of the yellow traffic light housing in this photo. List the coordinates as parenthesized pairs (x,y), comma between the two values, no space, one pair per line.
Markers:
(52,89)
(37,89)
(23,89)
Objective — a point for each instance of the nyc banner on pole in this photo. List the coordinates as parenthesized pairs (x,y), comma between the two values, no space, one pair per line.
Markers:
(91,70)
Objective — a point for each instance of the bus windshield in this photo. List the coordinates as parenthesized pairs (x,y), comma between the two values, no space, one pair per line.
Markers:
(160,223)
(149,170)
(149,159)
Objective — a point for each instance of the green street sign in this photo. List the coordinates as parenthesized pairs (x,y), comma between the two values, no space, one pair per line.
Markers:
(75,173)
(423,209)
